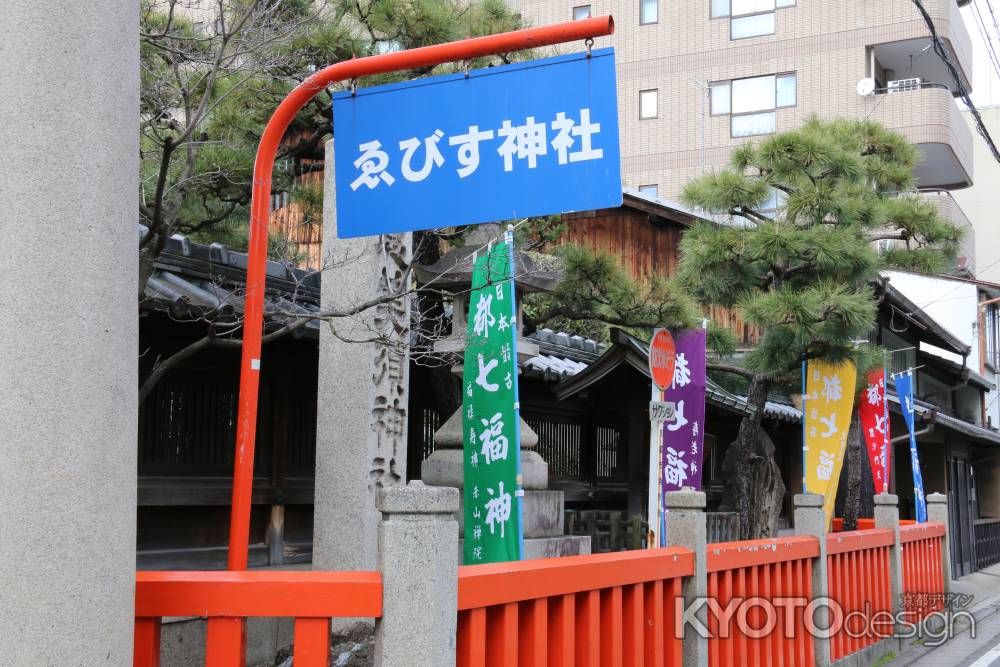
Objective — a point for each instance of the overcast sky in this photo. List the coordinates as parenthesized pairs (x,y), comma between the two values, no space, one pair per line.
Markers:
(985,79)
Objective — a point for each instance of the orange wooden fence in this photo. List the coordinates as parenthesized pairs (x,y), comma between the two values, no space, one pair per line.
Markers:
(769,569)
(837,525)
(858,581)
(226,598)
(611,609)
(923,578)
(605,609)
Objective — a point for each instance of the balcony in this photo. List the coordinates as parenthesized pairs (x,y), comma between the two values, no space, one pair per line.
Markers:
(915,58)
(928,116)
(950,210)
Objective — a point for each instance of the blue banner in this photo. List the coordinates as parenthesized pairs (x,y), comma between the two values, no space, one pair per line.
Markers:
(904,389)
(521,140)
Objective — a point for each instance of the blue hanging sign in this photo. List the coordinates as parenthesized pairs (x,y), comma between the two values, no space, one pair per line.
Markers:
(528,139)
(904,388)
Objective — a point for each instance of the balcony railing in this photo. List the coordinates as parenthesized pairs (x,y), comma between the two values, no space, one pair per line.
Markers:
(928,117)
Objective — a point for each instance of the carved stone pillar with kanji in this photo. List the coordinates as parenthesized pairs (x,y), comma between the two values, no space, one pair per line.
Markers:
(362,390)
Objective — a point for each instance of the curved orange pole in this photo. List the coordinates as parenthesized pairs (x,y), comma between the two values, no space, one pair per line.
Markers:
(239,524)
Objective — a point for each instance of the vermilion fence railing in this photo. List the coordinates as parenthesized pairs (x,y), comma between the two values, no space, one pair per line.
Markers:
(923,578)
(311,598)
(858,581)
(837,525)
(769,569)
(606,609)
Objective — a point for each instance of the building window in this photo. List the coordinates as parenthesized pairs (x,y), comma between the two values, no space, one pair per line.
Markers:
(992,335)
(785,90)
(775,201)
(751,26)
(748,18)
(648,11)
(751,102)
(647,104)
(648,190)
(720,98)
(581,12)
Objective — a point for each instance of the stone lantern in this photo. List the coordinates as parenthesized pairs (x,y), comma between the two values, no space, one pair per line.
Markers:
(543,508)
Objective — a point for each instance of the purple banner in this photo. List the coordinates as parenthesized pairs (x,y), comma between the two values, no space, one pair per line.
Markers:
(683,438)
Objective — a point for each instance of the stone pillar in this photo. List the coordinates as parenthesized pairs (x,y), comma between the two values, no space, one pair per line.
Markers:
(810,519)
(417,556)
(685,527)
(887,516)
(362,391)
(937,510)
(69,104)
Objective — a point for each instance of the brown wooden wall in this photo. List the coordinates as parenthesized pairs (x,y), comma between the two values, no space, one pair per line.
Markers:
(646,245)
(644,248)
(307,237)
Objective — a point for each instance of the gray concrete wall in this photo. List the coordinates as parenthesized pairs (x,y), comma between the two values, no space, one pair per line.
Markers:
(69,106)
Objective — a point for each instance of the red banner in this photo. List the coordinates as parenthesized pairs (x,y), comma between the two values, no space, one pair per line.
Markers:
(874,418)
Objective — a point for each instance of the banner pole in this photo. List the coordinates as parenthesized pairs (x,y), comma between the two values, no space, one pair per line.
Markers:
(652,502)
(804,486)
(519,489)
(885,436)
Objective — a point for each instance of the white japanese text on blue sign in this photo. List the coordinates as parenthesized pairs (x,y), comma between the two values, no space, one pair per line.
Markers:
(519,140)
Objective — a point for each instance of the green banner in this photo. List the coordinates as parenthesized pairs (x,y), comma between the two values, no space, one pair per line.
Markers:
(490,416)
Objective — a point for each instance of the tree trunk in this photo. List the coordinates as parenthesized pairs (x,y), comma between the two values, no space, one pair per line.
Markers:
(855,461)
(754,489)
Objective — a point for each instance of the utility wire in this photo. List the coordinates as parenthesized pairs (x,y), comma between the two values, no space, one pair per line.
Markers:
(943,54)
(987,39)
(996,26)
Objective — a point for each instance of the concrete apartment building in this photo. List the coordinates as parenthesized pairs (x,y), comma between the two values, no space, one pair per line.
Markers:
(698,77)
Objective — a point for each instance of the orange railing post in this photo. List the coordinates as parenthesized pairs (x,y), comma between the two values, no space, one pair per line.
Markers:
(146,649)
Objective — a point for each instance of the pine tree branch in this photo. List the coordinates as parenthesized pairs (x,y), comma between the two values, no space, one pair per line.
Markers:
(729,368)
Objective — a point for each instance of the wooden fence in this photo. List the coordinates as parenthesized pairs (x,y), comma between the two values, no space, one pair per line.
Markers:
(768,569)
(858,580)
(603,609)
(923,584)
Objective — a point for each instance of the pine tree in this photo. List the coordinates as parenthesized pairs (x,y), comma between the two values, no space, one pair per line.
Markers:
(796,258)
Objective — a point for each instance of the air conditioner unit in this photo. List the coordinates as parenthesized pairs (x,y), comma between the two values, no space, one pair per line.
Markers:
(904,85)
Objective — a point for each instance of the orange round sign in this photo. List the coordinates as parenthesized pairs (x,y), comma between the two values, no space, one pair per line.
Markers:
(662,357)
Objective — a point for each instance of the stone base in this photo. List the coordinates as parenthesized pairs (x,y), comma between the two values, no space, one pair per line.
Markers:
(445,467)
(554,547)
(543,514)
(548,547)
(869,655)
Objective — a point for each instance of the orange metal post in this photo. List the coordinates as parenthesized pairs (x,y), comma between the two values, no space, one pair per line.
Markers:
(588,627)
(146,649)
(250,364)
(312,642)
(533,633)
(253,324)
